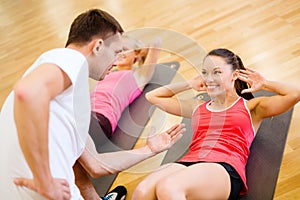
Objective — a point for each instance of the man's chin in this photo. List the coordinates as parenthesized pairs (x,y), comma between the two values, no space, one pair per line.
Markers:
(96,78)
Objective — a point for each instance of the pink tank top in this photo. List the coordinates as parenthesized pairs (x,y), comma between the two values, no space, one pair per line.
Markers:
(222,136)
(113,94)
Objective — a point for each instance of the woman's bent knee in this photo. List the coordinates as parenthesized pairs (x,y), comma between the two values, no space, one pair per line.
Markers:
(167,189)
(143,191)
(139,193)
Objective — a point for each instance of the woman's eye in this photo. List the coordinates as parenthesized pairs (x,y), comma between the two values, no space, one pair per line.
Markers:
(203,73)
(217,72)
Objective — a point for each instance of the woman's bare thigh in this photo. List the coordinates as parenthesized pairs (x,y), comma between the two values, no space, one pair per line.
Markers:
(202,181)
(162,171)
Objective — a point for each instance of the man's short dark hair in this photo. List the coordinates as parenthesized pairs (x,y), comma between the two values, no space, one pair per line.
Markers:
(93,23)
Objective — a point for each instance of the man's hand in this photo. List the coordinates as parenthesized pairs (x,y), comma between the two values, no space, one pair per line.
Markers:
(58,190)
(163,141)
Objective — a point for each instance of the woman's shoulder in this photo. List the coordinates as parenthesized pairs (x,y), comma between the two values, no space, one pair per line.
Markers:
(253,103)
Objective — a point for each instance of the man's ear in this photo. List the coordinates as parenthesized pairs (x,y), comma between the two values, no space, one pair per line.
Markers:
(98,46)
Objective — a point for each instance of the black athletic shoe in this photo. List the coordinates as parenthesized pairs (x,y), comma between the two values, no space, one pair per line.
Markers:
(119,193)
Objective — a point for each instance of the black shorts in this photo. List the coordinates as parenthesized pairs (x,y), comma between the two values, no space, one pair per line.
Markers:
(235,179)
(99,130)
(105,124)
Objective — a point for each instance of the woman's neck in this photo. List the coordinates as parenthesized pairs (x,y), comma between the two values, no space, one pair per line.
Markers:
(223,101)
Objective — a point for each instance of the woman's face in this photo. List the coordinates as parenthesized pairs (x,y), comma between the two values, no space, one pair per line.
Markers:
(128,57)
(217,75)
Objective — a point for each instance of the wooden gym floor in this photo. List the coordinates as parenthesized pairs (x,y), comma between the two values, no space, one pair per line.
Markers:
(266,35)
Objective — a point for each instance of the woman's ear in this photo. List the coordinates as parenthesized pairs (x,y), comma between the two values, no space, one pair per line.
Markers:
(98,46)
(235,75)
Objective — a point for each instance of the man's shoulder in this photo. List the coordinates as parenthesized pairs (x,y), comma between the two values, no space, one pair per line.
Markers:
(63,52)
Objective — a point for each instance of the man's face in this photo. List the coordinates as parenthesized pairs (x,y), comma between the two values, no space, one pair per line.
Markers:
(103,61)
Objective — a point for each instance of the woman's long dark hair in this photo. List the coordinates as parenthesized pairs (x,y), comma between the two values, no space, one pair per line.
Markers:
(236,63)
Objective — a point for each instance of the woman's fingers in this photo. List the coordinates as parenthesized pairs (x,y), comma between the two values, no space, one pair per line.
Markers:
(247,90)
(250,69)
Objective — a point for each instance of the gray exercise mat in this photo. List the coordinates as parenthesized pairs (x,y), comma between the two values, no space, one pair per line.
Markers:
(131,124)
(265,157)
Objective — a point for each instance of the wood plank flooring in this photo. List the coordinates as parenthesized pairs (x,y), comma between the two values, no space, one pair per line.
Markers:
(266,34)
